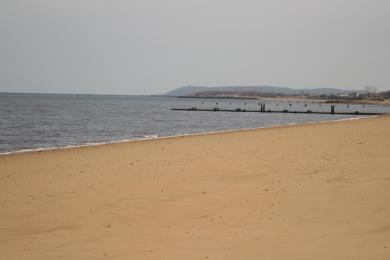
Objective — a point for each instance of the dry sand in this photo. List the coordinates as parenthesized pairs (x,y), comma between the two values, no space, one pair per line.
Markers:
(316,191)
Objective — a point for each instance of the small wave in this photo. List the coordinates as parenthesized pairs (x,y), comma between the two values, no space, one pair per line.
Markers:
(151,137)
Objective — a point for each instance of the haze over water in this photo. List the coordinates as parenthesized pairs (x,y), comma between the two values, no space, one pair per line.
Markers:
(32,121)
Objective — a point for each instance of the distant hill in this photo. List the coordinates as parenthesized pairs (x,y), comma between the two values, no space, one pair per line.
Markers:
(193,90)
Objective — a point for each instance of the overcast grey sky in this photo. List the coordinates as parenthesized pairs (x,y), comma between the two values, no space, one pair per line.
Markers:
(152,46)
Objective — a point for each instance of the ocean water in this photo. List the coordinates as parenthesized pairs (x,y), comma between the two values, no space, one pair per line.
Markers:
(38,121)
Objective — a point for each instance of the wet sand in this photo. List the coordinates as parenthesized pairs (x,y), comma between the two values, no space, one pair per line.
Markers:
(314,191)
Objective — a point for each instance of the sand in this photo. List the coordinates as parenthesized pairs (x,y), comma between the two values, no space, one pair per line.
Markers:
(314,191)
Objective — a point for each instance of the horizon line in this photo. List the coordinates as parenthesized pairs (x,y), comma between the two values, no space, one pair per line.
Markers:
(89,94)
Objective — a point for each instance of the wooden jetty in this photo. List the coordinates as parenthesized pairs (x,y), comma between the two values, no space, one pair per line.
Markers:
(263,110)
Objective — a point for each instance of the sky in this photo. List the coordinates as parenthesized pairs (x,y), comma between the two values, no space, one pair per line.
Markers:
(153,46)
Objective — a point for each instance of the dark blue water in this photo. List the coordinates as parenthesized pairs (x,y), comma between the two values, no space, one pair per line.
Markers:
(31,121)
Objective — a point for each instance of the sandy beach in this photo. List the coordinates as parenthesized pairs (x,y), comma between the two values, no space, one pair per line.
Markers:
(313,191)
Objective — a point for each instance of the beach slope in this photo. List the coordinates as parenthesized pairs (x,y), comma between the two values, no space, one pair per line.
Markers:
(314,191)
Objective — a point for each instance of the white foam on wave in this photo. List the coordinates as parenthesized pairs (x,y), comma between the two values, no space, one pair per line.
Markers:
(154,137)
(150,136)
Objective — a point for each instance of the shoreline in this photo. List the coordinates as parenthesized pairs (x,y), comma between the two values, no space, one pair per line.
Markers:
(145,139)
(385,102)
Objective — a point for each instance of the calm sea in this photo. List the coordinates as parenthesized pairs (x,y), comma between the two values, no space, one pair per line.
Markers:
(36,121)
